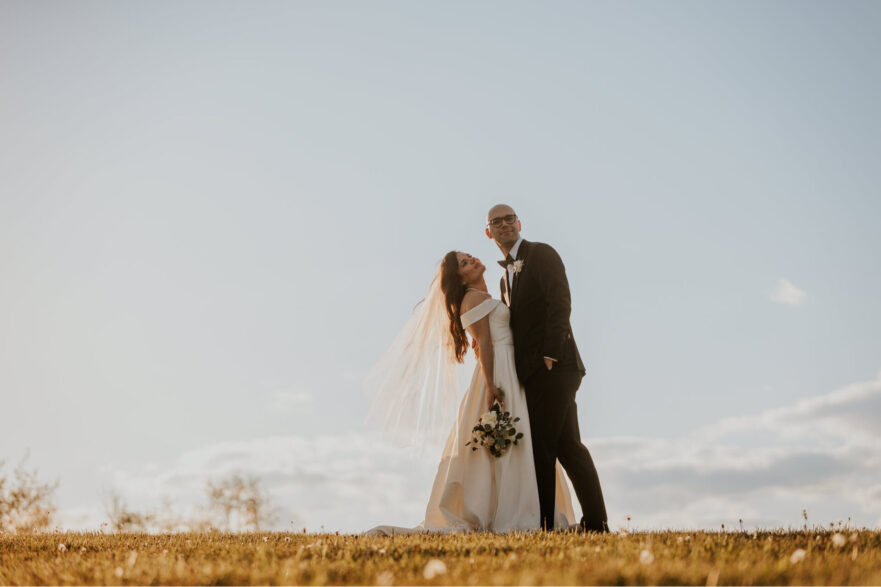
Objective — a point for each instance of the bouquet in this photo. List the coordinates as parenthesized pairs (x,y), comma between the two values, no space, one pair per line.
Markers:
(495,431)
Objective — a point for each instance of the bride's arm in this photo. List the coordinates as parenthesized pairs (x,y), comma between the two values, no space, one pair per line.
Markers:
(480,331)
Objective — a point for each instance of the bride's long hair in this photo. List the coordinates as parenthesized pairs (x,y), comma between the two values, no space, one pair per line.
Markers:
(454,291)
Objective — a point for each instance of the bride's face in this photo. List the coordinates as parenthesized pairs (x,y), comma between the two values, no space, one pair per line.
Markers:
(470,268)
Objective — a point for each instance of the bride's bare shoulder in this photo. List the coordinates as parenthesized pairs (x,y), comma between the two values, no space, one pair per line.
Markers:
(473,299)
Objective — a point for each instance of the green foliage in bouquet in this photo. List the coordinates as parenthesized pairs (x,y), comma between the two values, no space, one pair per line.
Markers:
(495,431)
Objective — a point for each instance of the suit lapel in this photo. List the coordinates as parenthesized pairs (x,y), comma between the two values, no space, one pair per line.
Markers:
(503,287)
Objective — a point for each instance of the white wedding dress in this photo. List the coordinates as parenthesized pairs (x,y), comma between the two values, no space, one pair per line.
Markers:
(474,491)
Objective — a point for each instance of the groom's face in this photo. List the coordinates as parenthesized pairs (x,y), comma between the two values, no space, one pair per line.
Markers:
(499,228)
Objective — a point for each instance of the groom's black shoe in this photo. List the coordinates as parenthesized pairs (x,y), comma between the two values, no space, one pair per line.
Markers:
(602,528)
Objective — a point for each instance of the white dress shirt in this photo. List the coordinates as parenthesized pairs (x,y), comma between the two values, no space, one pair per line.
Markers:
(513,253)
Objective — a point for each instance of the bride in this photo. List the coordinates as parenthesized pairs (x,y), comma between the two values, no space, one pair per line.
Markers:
(414,386)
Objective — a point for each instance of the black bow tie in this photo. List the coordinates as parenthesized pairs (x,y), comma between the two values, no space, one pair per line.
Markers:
(509,260)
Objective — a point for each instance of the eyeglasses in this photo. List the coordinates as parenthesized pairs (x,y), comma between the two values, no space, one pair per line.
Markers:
(497,222)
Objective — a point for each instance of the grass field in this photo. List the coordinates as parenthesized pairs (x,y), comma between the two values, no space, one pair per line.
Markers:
(693,558)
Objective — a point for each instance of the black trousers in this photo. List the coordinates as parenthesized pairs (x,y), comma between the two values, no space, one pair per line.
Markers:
(553,419)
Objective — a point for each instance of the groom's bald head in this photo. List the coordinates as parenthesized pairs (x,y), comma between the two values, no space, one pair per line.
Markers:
(503,226)
(499,210)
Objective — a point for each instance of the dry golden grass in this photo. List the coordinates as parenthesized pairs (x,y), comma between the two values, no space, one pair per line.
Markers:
(662,558)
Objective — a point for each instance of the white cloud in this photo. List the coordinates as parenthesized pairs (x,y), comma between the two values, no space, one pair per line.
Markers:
(287,400)
(344,482)
(80,517)
(786,293)
(822,454)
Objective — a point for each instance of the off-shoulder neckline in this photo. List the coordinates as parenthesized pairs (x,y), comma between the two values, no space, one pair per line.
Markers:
(480,304)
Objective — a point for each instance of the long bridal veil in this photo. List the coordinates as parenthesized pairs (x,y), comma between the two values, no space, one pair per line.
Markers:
(414,385)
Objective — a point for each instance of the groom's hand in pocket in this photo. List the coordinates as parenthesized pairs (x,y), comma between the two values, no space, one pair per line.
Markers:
(549,363)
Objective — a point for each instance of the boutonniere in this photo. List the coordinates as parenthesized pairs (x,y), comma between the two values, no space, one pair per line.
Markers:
(518,266)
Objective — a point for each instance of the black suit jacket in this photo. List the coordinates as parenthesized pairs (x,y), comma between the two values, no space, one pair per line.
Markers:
(540,305)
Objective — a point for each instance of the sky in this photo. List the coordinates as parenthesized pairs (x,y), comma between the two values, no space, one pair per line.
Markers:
(215,216)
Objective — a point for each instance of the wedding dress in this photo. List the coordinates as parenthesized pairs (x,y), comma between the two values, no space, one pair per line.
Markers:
(474,491)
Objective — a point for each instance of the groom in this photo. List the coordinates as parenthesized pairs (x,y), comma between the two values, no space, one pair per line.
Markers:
(536,290)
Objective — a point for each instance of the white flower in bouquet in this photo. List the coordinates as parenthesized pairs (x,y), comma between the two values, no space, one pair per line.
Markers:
(495,431)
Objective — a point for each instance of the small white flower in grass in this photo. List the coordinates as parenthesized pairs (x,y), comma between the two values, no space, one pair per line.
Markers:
(265,539)
(82,550)
(646,557)
(385,578)
(62,547)
(434,568)
(118,572)
(287,539)
(798,556)
(838,540)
